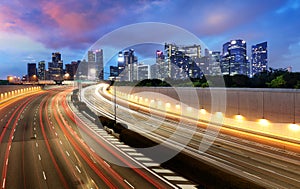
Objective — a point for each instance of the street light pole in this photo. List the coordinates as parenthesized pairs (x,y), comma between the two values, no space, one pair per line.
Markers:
(115,99)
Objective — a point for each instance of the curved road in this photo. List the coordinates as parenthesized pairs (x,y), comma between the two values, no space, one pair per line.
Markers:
(41,147)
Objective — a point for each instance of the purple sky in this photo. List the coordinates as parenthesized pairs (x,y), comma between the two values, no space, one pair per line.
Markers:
(31,30)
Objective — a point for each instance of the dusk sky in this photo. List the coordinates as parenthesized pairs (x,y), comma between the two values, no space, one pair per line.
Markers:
(30,30)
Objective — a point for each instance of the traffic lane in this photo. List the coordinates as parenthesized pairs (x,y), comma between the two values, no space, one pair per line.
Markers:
(135,176)
(197,146)
(81,153)
(33,174)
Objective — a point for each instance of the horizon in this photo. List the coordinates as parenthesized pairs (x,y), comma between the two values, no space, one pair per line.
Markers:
(30,34)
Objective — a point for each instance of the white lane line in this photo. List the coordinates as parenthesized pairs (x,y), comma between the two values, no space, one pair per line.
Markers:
(186,186)
(128,183)
(40,158)
(12,138)
(36,144)
(251,175)
(151,164)
(265,169)
(6,163)
(128,150)
(44,175)
(78,169)
(135,154)
(67,153)
(56,133)
(279,164)
(34,128)
(3,184)
(92,150)
(106,163)
(223,154)
(163,171)
(34,135)
(175,178)
(143,159)
(9,147)
(60,141)
(122,146)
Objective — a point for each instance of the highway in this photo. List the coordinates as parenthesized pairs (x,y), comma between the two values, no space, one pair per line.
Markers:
(256,158)
(41,146)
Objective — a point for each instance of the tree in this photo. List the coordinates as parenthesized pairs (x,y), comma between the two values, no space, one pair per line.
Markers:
(278,82)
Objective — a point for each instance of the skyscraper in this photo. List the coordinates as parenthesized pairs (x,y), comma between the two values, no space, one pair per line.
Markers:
(259,58)
(181,61)
(31,72)
(41,70)
(234,58)
(95,64)
(56,68)
(127,64)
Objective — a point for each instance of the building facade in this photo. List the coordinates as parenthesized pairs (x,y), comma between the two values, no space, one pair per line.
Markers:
(259,58)
(181,61)
(55,67)
(31,72)
(41,72)
(234,58)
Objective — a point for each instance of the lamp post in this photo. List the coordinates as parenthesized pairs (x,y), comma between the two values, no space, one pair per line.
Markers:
(115,100)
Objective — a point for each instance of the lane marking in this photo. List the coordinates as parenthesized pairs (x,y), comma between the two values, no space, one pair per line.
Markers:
(77,169)
(143,159)
(44,175)
(186,186)
(6,162)
(163,171)
(106,163)
(265,169)
(251,175)
(36,144)
(151,164)
(67,153)
(175,178)
(128,183)
(40,158)
(60,141)
(3,185)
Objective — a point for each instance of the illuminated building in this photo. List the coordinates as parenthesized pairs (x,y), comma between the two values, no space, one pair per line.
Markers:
(95,65)
(41,70)
(234,58)
(143,72)
(181,61)
(56,68)
(259,58)
(31,72)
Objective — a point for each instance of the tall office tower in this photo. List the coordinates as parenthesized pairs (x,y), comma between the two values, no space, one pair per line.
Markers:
(41,70)
(214,67)
(56,68)
(99,64)
(234,58)
(181,61)
(71,69)
(160,68)
(143,72)
(259,58)
(95,64)
(127,64)
(31,72)
(121,65)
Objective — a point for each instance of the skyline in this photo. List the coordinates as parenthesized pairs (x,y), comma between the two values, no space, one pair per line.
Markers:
(29,31)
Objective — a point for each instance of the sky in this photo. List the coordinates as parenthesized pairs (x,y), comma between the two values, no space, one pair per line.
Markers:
(30,30)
